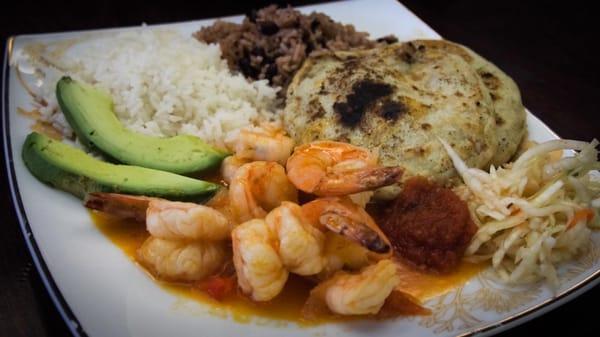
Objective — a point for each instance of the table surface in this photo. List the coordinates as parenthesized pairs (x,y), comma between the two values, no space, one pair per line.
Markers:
(548,49)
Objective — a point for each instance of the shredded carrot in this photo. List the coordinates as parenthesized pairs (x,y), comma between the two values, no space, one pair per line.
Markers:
(580,215)
(514,209)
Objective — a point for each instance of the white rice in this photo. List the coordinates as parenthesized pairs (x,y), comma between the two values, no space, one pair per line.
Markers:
(165,84)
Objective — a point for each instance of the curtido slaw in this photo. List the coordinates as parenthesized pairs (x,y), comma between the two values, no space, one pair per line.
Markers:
(534,212)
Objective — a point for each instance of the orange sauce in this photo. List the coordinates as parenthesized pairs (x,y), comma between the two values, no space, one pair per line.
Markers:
(125,234)
(287,306)
(128,236)
(424,286)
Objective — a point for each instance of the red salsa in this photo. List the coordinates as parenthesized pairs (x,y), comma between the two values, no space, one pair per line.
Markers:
(428,225)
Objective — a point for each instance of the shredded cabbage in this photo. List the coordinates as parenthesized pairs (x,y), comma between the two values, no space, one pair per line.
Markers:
(535,212)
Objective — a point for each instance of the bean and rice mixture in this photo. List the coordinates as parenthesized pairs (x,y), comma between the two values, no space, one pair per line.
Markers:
(272,43)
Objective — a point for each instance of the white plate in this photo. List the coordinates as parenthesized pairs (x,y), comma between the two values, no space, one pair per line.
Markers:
(100,292)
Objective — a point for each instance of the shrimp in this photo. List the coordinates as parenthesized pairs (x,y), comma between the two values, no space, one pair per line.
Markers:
(267,142)
(174,260)
(293,238)
(342,216)
(362,293)
(165,219)
(257,188)
(220,202)
(229,167)
(184,220)
(260,271)
(309,247)
(327,168)
(300,244)
(340,253)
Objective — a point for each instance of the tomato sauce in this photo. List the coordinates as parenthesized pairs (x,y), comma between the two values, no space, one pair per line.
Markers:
(428,225)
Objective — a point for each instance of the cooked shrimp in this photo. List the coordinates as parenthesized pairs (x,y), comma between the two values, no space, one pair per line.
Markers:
(257,188)
(184,220)
(165,219)
(220,202)
(341,253)
(342,216)
(267,142)
(300,244)
(181,260)
(328,168)
(260,271)
(230,165)
(362,293)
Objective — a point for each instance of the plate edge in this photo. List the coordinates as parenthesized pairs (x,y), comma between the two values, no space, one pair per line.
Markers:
(76,328)
(56,296)
(538,310)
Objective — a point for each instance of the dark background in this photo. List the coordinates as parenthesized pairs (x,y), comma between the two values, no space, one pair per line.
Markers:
(550,51)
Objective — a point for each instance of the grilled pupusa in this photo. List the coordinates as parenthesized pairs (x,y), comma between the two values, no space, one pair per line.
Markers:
(399,99)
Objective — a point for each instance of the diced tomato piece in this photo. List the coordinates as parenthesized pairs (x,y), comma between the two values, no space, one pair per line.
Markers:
(218,287)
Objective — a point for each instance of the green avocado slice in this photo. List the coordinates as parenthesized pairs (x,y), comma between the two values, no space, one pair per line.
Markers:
(72,170)
(90,113)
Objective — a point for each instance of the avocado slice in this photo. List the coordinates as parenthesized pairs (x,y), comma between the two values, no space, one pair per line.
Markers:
(72,170)
(90,113)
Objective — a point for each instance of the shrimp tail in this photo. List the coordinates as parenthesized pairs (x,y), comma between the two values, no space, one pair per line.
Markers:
(382,176)
(120,205)
(359,181)
(355,231)
(342,216)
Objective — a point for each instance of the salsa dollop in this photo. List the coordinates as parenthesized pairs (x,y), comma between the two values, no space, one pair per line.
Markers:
(428,225)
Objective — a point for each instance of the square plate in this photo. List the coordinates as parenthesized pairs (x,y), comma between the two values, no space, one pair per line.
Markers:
(100,292)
